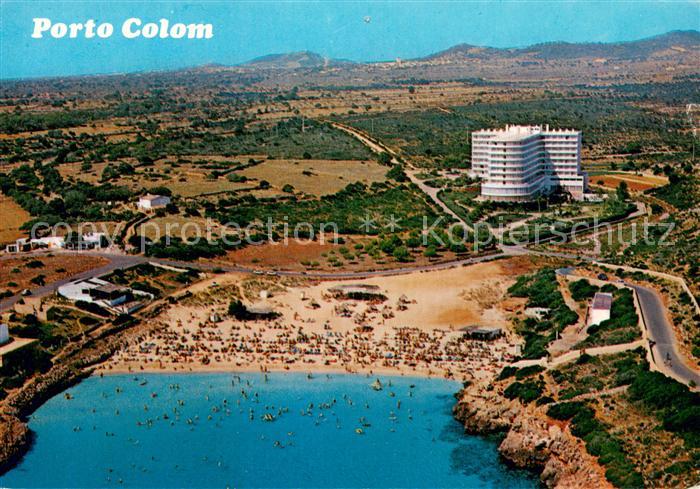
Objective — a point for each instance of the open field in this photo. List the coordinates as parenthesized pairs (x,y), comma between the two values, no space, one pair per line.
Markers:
(194,186)
(439,95)
(314,256)
(13,216)
(183,179)
(17,273)
(114,130)
(202,175)
(635,182)
(178,226)
(316,177)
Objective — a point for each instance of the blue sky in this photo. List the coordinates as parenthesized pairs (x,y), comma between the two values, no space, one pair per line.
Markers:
(244,30)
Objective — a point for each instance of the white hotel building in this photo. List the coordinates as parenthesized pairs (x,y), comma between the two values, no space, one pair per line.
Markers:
(519,163)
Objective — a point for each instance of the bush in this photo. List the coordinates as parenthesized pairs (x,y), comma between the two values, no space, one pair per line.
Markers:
(599,442)
(39,280)
(564,411)
(91,307)
(525,391)
(582,290)
(145,287)
(397,173)
(236,178)
(673,403)
(507,372)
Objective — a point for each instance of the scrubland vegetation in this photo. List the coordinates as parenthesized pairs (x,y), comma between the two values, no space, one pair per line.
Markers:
(541,290)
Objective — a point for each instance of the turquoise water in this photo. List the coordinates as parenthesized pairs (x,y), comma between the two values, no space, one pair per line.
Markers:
(208,430)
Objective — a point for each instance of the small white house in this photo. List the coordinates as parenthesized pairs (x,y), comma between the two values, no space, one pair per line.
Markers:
(600,308)
(149,202)
(4,334)
(50,242)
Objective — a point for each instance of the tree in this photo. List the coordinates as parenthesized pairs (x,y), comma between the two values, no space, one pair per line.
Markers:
(238,310)
(401,254)
(622,191)
(161,190)
(75,202)
(39,280)
(384,158)
(396,173)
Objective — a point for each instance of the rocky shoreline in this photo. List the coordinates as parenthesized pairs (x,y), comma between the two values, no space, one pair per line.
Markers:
(73,365)
(532,440)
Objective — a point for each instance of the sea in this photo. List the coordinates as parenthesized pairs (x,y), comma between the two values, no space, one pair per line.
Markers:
(256,430)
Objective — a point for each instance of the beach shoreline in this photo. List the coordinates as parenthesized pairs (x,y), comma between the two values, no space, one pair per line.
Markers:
(400,325)
(123,369)
(412,328)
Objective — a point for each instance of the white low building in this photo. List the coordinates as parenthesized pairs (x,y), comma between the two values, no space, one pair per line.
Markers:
(600,308)
(21,245)
(4,334)
(538,313)
(149,202)
(87,241)
(105,294)
(50,242)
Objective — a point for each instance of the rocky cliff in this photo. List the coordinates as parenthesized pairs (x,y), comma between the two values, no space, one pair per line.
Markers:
(14,438)
(532,440)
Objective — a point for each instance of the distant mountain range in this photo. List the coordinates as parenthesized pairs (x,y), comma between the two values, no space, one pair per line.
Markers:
(300,59)
(641,49)
(662,46)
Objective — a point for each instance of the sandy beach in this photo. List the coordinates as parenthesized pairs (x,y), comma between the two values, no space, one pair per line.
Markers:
(408,325)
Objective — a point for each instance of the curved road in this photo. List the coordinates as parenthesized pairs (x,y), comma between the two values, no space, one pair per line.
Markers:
(664,347)
(663,344)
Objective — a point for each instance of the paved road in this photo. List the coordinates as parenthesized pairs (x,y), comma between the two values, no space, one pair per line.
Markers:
(660,330)
(665,351)
(433,192)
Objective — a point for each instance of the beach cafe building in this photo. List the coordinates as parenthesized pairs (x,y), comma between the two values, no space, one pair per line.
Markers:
(482,333)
